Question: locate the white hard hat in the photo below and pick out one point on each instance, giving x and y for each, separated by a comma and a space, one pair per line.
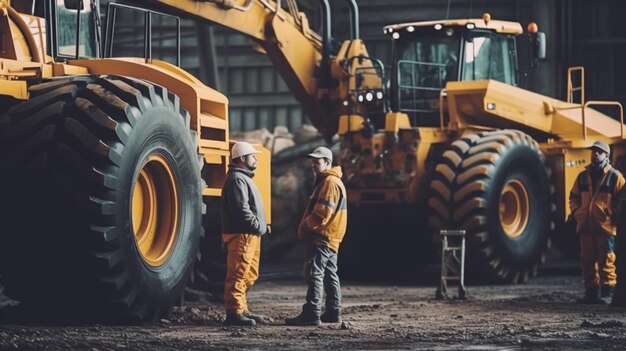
602, 146
241, 148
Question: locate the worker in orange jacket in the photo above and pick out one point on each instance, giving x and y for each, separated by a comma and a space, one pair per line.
594, 205
322, 228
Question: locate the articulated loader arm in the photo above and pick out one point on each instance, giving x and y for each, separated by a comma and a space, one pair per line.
299, 54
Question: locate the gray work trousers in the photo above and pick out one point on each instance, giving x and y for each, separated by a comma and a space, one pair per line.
320, 273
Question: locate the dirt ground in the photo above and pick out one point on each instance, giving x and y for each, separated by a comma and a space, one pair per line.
539, 315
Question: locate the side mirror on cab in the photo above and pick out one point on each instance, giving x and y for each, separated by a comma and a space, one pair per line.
74, 4
539, 45
531, 47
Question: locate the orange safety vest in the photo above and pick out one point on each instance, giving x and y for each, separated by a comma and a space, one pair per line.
595, 211
326, 217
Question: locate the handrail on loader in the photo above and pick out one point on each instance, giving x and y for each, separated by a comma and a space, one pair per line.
584, 104
571, 89
442, 93
604, 103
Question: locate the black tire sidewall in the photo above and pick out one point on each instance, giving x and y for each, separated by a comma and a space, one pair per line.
161, 130
523, 163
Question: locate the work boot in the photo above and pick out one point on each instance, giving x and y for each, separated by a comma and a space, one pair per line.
256, 317
592, 297
239, 320
305, 318
331, 315
606, 293
619, 297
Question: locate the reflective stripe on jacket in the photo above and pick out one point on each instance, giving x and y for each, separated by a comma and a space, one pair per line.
326, 217
595, 212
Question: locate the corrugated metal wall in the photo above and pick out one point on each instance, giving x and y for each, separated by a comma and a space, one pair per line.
258, 96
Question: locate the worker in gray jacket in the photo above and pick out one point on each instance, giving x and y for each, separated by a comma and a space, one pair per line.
243, 223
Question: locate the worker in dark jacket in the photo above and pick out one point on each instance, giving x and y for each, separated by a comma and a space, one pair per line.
593, 203
243, 223
322, 228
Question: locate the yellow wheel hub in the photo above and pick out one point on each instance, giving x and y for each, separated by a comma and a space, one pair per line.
514, 208
155, 212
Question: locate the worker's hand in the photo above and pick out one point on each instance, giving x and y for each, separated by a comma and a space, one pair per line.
570, 224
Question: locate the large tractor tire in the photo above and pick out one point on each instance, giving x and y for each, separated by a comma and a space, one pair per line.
210, 270
495, 185
101, 200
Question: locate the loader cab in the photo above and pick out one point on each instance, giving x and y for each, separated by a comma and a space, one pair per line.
70, 30
74, 29
427, 55
424, 59
71, 25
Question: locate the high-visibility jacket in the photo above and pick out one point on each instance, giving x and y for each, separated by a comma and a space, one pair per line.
595, 208
325, 219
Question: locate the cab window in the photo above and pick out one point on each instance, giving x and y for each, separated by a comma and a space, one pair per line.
66, 28
490, 57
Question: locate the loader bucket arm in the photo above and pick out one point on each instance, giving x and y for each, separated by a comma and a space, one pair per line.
299, 54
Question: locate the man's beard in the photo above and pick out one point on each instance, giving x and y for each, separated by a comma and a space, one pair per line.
600, 164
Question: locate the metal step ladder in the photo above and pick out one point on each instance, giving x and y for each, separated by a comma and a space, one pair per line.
452, 262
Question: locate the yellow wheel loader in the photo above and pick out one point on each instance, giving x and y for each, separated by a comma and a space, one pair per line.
106, 162
464, 141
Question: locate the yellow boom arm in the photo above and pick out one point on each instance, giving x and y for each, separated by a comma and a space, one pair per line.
296, 51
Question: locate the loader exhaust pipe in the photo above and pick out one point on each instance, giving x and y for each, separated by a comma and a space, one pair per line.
354, 19
327, 34
325, 79
327, 25
326, 31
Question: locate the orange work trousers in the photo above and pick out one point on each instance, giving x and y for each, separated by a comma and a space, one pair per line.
242, 270
597, 259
